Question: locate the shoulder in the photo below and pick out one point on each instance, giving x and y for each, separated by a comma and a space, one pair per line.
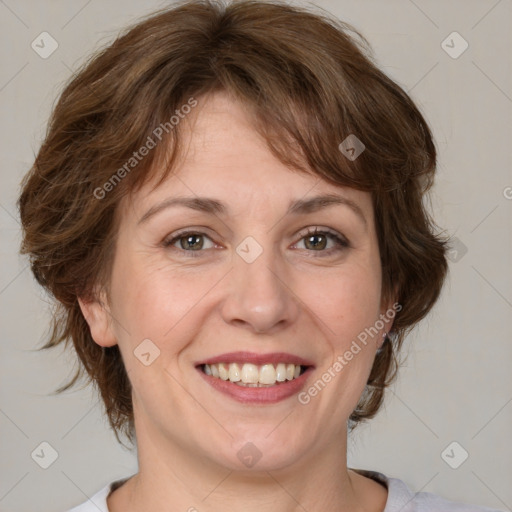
401, 498
98, 502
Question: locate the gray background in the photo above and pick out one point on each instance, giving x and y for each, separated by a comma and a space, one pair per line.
456, 384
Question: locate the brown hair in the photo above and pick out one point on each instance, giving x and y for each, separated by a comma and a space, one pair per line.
308, 79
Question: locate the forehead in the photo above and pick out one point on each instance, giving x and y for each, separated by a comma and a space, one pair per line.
223, 156
220, 139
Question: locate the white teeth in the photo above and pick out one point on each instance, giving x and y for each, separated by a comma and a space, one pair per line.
281, 372
251, 375
290, 370
223, 371
268, 374
234, 372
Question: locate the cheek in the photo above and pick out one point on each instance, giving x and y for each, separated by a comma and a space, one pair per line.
155, 300
348, 304
347, 301
140, 301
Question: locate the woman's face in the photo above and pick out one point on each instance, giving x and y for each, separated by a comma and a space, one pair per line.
233, 274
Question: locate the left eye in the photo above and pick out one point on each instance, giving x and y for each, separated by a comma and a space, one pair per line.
317, 240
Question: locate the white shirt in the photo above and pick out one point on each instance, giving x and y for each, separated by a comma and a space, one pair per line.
400, 498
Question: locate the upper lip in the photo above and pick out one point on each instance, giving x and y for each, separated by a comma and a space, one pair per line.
257, 359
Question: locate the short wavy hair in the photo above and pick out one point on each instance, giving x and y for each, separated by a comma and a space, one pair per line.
309, 81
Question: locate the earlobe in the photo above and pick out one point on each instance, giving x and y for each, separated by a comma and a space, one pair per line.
381, 340
98, 318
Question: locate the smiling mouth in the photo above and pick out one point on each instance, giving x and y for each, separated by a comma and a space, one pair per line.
252, 375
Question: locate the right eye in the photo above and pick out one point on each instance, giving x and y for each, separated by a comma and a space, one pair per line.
189, 241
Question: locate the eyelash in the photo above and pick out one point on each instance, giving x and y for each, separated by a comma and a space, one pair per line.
340, 241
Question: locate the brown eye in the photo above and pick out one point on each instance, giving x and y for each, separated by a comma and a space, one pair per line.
194, 242
189, 242
318, 241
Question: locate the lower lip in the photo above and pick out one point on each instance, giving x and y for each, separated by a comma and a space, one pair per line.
265, 395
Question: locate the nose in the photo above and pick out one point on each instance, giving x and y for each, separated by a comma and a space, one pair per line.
260, 294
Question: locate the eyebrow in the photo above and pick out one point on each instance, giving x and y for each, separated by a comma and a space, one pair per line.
216, 207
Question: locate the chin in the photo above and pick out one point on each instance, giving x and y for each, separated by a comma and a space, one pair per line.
261, 451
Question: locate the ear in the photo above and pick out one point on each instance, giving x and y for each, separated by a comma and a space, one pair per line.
98, 318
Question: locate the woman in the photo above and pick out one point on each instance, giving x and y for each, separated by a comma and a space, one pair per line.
228, 209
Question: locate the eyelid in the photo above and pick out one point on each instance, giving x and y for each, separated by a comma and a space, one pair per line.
169, 240
322, 230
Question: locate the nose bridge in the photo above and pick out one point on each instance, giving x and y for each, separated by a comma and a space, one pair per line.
259, 298
257, 273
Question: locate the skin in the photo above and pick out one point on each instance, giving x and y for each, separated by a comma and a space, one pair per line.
295, 297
